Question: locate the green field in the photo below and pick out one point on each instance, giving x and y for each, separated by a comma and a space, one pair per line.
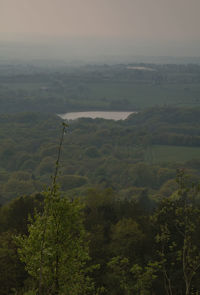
142, 95
112, 95
167, 153
99, 88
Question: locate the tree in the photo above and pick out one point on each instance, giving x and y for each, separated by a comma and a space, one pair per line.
12, 273
132, 279
126, 238
178, 236
55, 250
120, 276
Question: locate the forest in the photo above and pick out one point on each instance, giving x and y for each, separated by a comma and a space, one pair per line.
96, 206
27, 87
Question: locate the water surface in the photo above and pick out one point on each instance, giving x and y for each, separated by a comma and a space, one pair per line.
93, 115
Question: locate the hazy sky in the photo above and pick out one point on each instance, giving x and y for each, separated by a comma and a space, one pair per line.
102, 27
141, 19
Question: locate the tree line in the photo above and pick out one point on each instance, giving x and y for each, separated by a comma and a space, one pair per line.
102, 244
97, 152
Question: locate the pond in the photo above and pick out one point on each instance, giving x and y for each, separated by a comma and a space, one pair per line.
93, 115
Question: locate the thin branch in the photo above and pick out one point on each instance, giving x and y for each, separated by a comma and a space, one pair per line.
58, 157
45, 213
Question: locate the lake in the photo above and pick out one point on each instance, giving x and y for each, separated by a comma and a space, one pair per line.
93, 115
